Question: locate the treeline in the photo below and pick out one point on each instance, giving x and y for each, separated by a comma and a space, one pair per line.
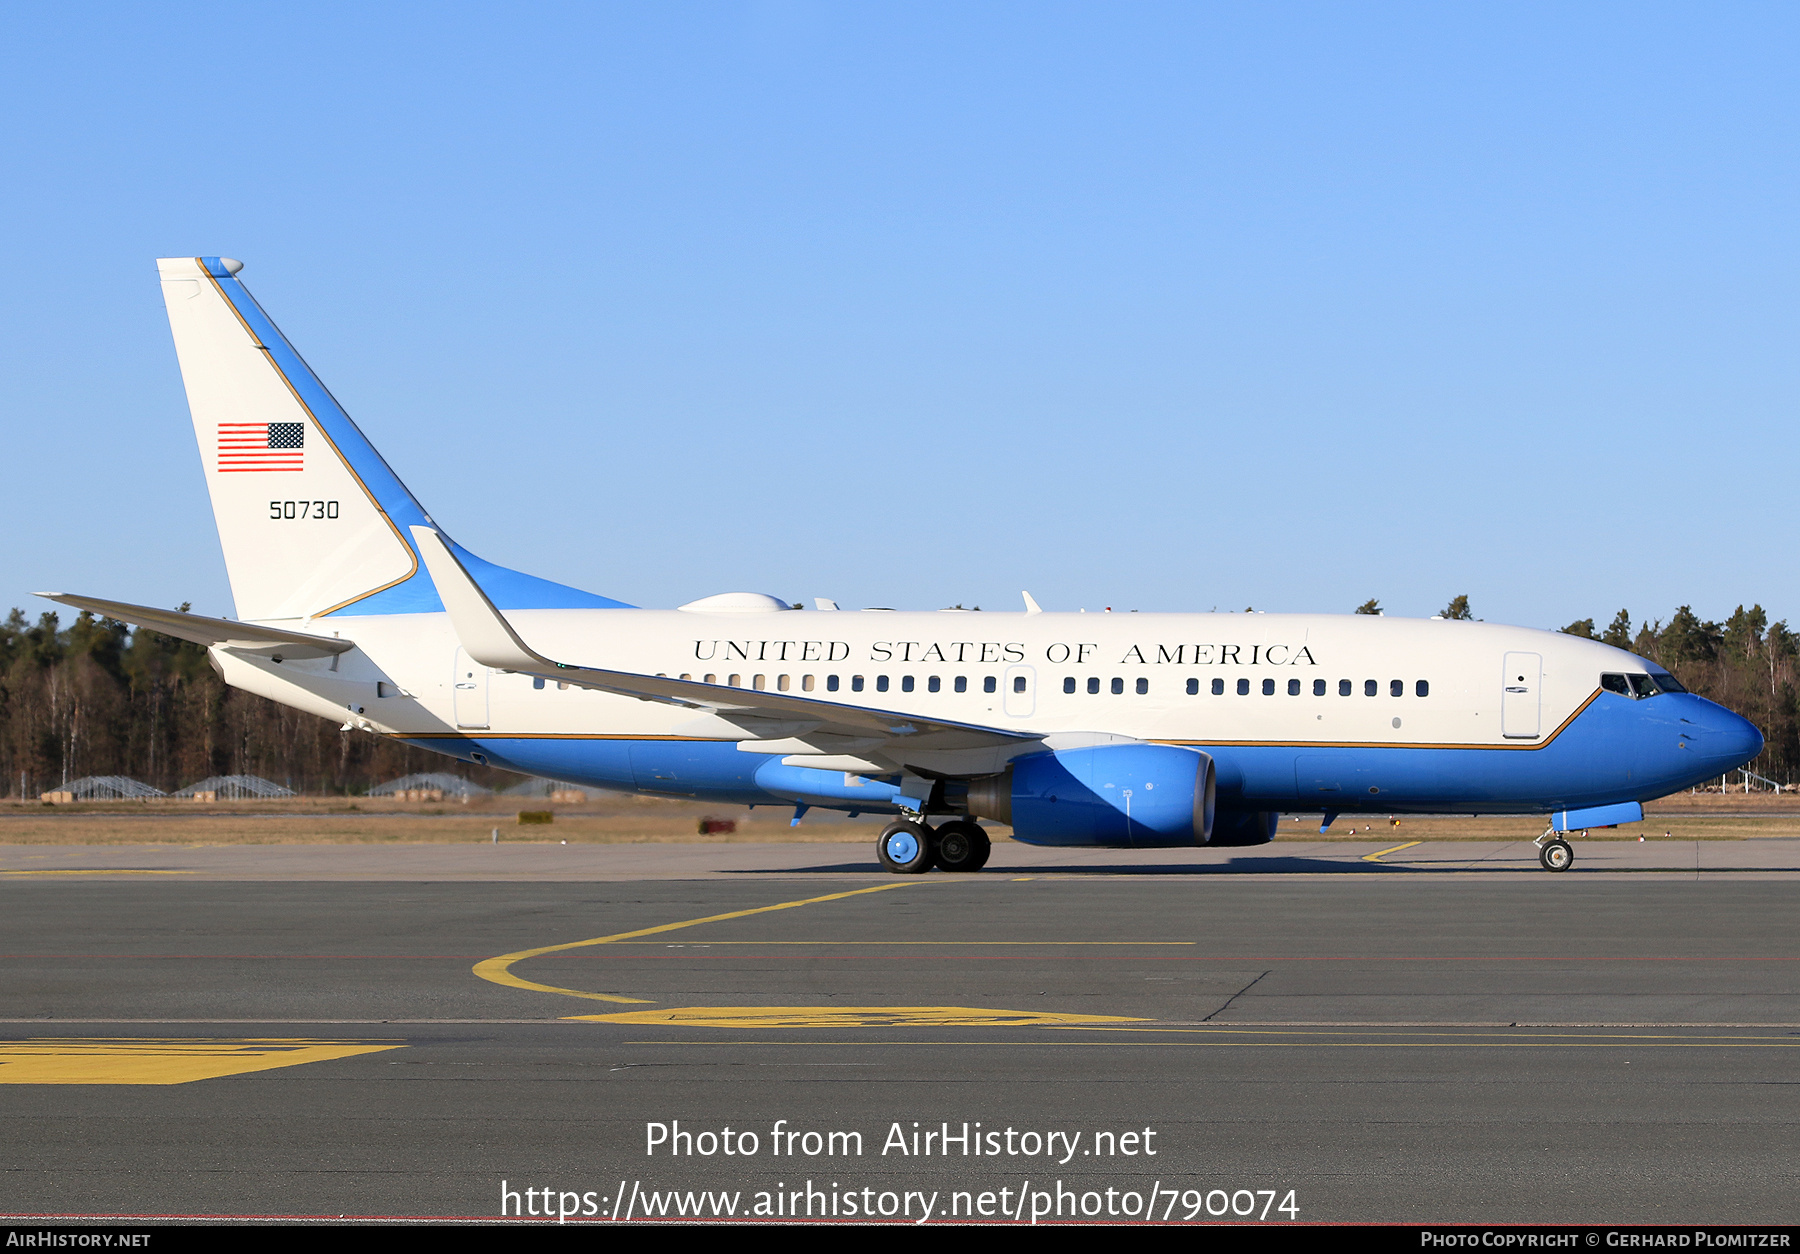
96, 698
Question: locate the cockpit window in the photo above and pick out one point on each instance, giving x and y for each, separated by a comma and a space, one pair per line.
1641, 687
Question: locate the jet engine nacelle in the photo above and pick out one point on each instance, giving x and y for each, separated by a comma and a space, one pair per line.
1244, 827
1124, 796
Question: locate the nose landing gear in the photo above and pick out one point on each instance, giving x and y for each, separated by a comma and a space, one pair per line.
1554, 853
906, 847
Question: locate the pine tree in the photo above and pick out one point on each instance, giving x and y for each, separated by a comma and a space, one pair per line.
1619, 634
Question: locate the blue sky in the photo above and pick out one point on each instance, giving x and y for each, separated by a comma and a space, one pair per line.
1163, 307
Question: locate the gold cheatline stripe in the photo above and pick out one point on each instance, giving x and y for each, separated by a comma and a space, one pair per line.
496, 969
1377, 744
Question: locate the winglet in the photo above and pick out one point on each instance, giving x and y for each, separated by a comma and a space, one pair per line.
481, 628
1031, 606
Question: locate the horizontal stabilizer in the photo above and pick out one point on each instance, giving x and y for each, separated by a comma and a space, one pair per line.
222, 632
491, 641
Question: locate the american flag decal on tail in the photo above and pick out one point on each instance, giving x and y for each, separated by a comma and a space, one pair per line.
247, 446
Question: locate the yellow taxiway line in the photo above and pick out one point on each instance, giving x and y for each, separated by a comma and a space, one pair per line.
497, 970
958, 943
854, 1017
1378, 854
162, 1060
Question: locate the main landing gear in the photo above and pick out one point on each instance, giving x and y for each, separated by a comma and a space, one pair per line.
1555, 853
906, 847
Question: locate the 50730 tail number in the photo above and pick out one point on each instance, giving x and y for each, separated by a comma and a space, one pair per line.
303, 509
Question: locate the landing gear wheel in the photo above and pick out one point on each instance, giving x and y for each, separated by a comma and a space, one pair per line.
962, 846
1557, 856
904, 848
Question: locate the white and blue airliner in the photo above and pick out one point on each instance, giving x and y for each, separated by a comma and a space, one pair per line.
1121, 730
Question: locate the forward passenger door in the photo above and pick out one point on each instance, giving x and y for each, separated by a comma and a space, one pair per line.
1519, 696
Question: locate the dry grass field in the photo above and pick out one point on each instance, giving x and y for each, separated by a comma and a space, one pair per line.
605, 818
617, 818
1701, 817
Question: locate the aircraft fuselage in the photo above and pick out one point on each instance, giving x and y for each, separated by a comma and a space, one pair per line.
1321, 712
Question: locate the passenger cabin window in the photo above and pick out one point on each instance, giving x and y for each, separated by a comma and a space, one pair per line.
1018, 683
1218, 687
1396, 687
1193, 687
1243, 687
962, 683
806, 683
856, 683
934, 684
1093, 686
1343, 687
1293, 687
1069, 684
1318, 687
831, 683
1143, 687
906, 683
1422, 689
736, 681
990, 684
1268, 687
881, 683
1118, 687
1370, 687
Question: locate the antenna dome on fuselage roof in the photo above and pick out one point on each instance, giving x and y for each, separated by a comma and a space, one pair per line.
737, 603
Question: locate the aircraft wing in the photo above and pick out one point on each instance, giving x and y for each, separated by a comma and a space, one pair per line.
491, 641
223, 632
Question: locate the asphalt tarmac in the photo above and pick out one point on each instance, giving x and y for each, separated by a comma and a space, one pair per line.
291, 1031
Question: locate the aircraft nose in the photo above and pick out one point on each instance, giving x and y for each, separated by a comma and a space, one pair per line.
1741, 734
1726, 739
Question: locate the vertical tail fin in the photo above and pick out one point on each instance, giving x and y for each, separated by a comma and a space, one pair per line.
311, 519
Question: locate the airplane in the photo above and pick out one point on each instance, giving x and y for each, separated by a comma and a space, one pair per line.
1074, 729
